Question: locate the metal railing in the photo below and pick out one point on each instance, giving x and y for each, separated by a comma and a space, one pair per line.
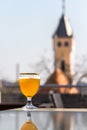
82, 88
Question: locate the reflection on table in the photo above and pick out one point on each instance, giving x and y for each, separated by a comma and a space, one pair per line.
44, 120
28, 124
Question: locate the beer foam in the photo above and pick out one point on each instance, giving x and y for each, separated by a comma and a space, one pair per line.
29, 77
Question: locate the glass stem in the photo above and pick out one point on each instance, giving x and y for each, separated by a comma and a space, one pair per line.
29, 102
28, 116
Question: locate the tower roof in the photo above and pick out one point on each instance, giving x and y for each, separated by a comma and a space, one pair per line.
64, 28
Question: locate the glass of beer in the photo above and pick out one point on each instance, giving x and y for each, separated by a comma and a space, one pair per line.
29, 85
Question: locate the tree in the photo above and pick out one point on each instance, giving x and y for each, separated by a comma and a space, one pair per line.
45, 66
80, 75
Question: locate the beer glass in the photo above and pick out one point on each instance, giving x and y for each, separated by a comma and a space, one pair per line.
29, 84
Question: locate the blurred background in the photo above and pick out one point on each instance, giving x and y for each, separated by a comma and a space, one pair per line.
48, 37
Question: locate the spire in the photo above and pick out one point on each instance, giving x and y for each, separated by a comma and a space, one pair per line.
64, 29
63, 7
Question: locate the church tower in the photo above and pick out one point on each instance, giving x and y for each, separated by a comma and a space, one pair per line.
63, 44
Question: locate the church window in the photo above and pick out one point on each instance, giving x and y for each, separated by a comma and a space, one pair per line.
59, 44
63, 65
66, 44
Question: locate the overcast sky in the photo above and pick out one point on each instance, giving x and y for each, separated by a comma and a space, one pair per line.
26, 29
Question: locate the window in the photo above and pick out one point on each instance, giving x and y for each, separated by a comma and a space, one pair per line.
63, 65
59, 44
66, 44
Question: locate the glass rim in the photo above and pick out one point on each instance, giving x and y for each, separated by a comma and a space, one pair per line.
30, 73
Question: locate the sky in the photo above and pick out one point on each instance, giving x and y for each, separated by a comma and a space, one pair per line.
26, 29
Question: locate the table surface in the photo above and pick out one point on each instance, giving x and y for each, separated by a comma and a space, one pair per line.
45, 119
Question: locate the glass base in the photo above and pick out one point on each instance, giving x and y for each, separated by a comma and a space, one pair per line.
29, 107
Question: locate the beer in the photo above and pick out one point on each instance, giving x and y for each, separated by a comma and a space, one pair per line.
29, 86
28, 125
